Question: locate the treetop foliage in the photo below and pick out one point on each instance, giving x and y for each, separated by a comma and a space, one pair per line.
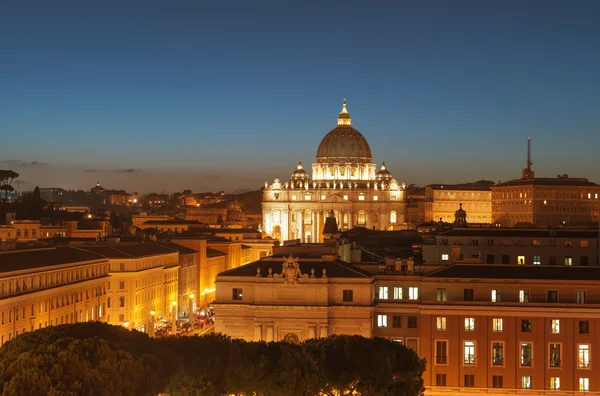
99, 359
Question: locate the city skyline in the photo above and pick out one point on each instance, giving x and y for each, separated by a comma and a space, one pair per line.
210, 97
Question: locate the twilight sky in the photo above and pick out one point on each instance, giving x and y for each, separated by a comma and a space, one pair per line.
208, 95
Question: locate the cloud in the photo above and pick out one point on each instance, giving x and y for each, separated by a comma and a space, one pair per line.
128, 170
22, 163
91, 170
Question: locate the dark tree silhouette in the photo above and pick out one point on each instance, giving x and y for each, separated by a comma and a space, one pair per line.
6, 179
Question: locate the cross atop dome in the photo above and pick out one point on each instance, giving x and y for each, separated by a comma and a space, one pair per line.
344, 118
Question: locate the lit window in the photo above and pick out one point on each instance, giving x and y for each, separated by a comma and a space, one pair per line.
497, 353
441, 323
393, 217
323, 197
293, 198
589, 196
393, 197
397, 293
307, 197
496, 295
413, 293
382, 293
236, 294
568, 260
526, 354
346, 197
440, 294
445, 256
583, 356
525, 382
555, 326
537, 260
584, 243
361, 197
469, 352
381, 321
584, 384
521, 260
469, 324
554, 383
523, 296
555, 358
375, 197
497, 325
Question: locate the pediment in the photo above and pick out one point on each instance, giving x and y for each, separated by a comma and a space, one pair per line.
335, 198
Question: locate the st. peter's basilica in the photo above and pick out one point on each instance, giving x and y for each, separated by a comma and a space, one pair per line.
345, 182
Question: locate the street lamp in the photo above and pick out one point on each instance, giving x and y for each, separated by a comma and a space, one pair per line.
126, 324
151, 329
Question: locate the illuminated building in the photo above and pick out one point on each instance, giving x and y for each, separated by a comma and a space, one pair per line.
482, 328
442, 200
51, 286
344, 180
562, 200
143, 279
187, 289
522, 246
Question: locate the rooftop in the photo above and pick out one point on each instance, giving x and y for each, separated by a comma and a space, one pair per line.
522, 233
129, 250
526, 272
18, 260
548, 181
334, 269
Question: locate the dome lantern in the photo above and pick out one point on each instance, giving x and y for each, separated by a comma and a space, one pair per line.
344, 117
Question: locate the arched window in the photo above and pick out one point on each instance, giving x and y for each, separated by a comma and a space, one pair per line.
361, 217
393, 218
26, 232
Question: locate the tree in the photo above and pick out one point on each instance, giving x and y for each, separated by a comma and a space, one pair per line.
187, 192
6, 179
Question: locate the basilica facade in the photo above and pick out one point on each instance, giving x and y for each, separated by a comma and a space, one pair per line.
345, 183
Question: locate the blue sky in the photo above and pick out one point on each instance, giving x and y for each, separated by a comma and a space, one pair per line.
226, 95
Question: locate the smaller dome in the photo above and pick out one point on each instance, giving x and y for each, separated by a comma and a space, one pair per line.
383, 173
300, 173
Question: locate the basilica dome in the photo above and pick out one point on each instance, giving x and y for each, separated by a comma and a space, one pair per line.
344, 143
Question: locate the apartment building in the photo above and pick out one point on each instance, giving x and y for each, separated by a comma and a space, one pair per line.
51, 286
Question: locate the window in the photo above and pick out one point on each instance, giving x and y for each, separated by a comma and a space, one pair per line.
412, 322
382, 321
555, 326
468, 295
361, 197
294, 198
441, 352
526, 382
497, 353
382, 292
526, 354
469, 324
497, 324
583, 261
441, 323
584, 327
469, 380
521, 260
580, 296
121, 284
347, 295
445, 257
568, 243
397, 293
552, 260
375, 197
583, 356
469, 352
393, 217
537, 260
523, 296
413, 293
568, 260
397, 321
440, 294
554, 383
554, 355
489, 259
584, 384
440, 379
236, 294
122, 267
497, 381
496, 295
121, 301
505, 259
552, 296
526, 325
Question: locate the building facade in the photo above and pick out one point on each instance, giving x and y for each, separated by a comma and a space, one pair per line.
493, 329
344, 180
442, 200
51, 286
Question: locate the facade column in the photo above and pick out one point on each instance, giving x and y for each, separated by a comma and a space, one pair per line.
318, 226
369, 219
313, 225
258, 332
350, 219
285, 225
300, 224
